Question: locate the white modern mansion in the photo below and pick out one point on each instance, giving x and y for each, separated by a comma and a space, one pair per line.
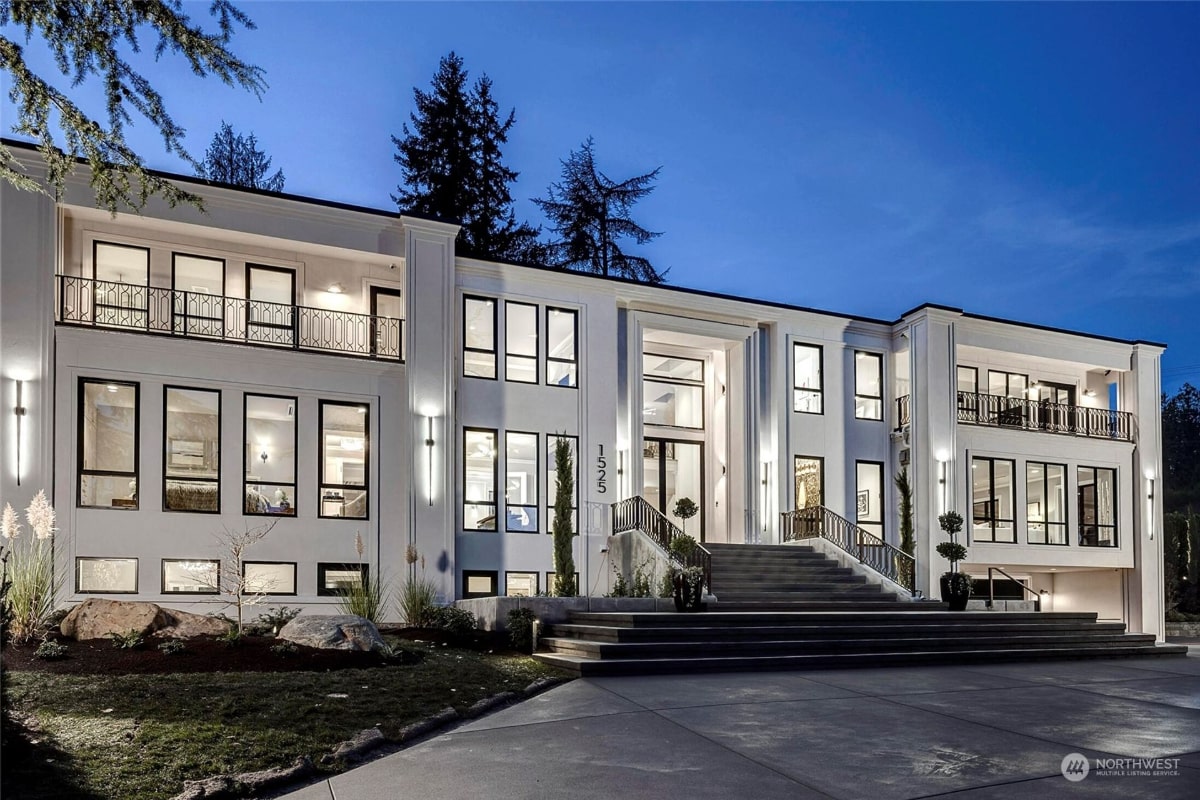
341, 371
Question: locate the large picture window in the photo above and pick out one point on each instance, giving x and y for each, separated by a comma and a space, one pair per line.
479, 337
479, 480
562, 355
109, 433
868, 385
992, 502
521, 482
269, 458
192, 458
1046, 503
808, 391
552, 480
672, 391
122, 293
199, 301
344, 468
1097, 495
520, 342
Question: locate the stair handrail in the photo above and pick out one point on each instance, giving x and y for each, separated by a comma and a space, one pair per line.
819, 522
1037, 598
636, 514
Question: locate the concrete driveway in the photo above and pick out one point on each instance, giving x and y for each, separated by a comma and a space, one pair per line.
976, 732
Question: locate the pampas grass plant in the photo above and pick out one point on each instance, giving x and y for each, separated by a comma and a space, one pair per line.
30, 568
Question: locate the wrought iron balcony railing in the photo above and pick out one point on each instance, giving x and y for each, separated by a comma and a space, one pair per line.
998, 411
197, 315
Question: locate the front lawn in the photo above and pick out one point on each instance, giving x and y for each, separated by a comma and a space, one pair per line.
142, 735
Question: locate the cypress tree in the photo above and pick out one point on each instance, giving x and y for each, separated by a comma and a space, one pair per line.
564, 530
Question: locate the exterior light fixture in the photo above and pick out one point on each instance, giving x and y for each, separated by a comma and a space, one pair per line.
1090, 393
1150, 500
336, 288
263, 456
429, 449
19, 411
943, 458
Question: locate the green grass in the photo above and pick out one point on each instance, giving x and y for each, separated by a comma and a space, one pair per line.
141, 736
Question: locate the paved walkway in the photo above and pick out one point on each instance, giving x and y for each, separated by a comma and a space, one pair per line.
973, 732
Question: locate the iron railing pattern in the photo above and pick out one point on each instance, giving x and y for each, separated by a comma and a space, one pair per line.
197, 315
819, 522
635, 514
976, 408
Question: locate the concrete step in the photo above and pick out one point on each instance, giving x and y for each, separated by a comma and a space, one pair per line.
793, 632
923, 613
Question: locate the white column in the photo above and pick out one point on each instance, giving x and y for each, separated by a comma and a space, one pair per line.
1145, 581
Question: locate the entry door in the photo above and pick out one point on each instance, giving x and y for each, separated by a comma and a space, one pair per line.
386, 312
674, 470
270, 304
1056, 406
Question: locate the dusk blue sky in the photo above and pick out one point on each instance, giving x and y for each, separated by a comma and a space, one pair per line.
1036, 162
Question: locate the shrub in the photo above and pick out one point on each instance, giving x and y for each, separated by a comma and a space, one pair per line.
457, 622
520, 629
666, 585
273, 619
29, 570
366, 598
51, 650
395, 654
682, 546
285, 649
172, 647
127, 641
418, 600
641, 584
620, 587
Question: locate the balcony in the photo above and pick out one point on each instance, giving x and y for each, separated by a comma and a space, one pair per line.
197, 315
1034, 415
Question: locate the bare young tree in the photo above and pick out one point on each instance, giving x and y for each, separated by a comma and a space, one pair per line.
230, 578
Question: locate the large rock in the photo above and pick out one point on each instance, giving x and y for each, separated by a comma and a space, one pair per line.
337, 632
96, 618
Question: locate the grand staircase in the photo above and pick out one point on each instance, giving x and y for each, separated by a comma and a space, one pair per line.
793, 607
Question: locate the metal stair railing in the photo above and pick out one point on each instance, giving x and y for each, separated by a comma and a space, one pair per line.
819, 522
1037, 598
635, 514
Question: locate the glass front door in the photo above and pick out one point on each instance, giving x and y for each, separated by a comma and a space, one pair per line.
674, 470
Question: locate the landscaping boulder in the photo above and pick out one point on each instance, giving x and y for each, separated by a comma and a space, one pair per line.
96, 618
184, 625
337, 632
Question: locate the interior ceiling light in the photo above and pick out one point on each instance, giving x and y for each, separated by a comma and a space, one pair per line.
351, 443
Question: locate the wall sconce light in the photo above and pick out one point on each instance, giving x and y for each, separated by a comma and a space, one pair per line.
1150, 499
337, 288
263, 456
19, 410
620, 462
1090, 393
429, 449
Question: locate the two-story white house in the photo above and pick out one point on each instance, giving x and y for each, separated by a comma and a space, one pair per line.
339, 371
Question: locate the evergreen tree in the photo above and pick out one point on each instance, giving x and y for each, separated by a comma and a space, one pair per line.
590, 213
235, 159
92, 40
1181, 449
454, 168
564, 531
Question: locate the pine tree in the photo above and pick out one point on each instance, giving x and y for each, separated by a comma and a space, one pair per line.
92, 40
564, 530
453, 164
235, 159
590, 212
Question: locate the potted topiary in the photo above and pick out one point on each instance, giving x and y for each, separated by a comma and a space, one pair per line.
685, 509
687, 581
956, 586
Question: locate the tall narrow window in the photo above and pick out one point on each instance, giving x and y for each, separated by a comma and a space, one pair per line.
192, 460
1046, 500
808, 391
520, 342
269, 457
479, 480
479, 337
992, 503
345, 460
198, 304
562, 356
122, 288
521, 482
270, 304
672, 391
1097, 494
810, 482
109, 435
868, 385
968, 394
868, 496
552, 480
387, 315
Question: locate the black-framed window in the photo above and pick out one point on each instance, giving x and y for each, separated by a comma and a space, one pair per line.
269, 455
550, 576
122, 288
198, 304
808, 383
387, 322
271, 304
479, 337
344, 466
672, 391
1008, 384
562, 347
810, 482
868, 496
1046, 503
1096, 489
868, 385
993, 500
1000, 589
480, 583
99, 575
968, 379
552, 480
336, 579
520, 342
192, 450
191, 576
520, 584
109, 440
521, 471
968, 393
479, 479
269, 577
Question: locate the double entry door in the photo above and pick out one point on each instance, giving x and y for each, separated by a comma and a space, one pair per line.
672, 470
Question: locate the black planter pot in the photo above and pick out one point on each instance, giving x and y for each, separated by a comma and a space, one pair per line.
955, 591
687, 594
